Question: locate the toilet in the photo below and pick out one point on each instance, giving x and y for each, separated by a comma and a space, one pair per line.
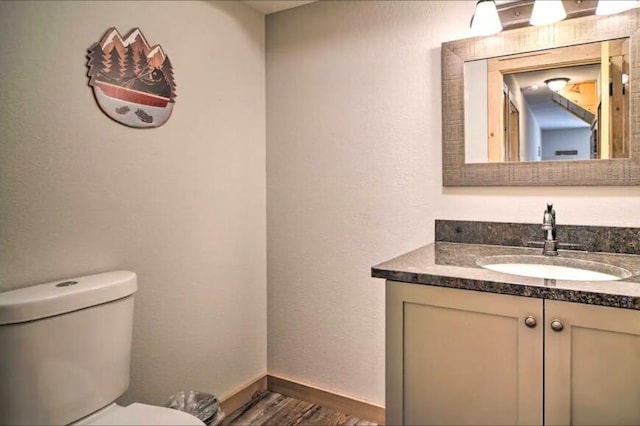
65, 351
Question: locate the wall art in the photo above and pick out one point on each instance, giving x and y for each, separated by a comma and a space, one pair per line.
132, 81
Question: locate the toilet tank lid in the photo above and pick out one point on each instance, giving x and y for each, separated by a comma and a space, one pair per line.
63, 296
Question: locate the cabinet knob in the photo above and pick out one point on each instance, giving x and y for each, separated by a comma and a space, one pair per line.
530, 321
556, 325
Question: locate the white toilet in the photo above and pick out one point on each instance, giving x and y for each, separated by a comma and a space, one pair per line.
65, 352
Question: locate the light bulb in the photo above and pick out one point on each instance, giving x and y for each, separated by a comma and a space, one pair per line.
608, 7
485, 20
547, 12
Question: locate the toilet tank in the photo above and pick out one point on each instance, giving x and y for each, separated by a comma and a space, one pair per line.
65, 347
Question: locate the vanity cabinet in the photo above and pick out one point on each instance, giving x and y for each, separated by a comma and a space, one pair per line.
468, 357
592, 365
462, 357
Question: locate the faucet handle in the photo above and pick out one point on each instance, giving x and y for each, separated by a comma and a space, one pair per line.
549, 221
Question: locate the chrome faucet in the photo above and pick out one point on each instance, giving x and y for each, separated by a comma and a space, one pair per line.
549, 226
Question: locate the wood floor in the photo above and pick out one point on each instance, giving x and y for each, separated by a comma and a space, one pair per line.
270, 408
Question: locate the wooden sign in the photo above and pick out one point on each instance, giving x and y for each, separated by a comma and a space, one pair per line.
132, 81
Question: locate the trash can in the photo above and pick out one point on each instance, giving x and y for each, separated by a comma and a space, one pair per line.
204, 406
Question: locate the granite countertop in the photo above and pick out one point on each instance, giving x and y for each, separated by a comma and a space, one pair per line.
453, 264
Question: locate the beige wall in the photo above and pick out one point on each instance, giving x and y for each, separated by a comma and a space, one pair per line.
354, 178
182, 205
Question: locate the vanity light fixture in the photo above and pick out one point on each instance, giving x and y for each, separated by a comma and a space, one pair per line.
609, 7
522, 13
485, 21
547, 12
557, 84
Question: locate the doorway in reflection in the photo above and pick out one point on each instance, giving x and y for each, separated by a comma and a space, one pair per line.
560, 124
567, 103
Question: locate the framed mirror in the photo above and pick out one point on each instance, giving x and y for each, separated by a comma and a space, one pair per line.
507, 121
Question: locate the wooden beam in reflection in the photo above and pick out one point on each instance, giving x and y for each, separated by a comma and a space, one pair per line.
584, 54
605, 114
617, 109
582, 93
495, 121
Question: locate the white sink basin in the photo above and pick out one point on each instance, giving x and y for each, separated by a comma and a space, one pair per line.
558, 268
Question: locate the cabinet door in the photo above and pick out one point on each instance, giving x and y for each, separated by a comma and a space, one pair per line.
462, 357
592, 365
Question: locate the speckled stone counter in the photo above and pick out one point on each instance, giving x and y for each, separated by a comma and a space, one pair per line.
453, 264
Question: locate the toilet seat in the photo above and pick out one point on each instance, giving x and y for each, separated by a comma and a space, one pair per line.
142, 414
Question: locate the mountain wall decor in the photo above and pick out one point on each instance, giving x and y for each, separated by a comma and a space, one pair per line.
132, 81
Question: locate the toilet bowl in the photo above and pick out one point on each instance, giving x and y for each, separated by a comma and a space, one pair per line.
65, 350
139, 414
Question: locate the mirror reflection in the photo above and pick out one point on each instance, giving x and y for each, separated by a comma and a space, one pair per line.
549, 105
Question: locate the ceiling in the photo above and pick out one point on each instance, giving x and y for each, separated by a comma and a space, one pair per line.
272, 6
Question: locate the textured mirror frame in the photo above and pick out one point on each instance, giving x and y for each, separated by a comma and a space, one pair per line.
614, 172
